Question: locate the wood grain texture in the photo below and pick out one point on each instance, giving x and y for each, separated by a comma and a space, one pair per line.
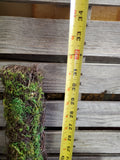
96, 78
105, 2
99, 142
92, 2
3, 143
90, 114
89, 158
80, 158
50, 37
2, 119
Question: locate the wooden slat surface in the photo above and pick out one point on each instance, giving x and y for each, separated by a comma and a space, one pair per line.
90, 114
2, 119
50, 37
89, 158
80, 158
105, 2
96, 78
88, 142
92, 2
100, 142
3, 142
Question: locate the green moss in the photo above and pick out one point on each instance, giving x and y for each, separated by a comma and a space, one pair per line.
23, 110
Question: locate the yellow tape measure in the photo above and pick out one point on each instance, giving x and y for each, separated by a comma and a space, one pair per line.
78, 18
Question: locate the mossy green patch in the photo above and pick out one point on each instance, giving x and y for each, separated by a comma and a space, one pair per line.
24, 112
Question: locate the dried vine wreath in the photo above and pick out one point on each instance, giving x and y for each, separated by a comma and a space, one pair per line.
24, 112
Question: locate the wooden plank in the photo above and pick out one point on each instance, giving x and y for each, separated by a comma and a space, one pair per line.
80, 158
96, 78
105, 13
2, 119
105, 2
3, 143
32, 36
89, 158
90, 114
87, 142
91, 2
99, 142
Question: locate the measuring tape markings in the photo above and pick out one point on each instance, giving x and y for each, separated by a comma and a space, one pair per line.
74, 63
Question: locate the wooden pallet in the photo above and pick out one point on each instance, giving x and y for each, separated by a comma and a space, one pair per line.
27, 41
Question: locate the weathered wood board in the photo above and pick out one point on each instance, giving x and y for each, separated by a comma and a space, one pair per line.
96, 78
80, 158
2, 119
90, 114
32, 36
89, 158
91, 2
99, 142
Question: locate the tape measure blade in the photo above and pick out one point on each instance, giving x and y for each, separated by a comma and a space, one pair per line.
78, 18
